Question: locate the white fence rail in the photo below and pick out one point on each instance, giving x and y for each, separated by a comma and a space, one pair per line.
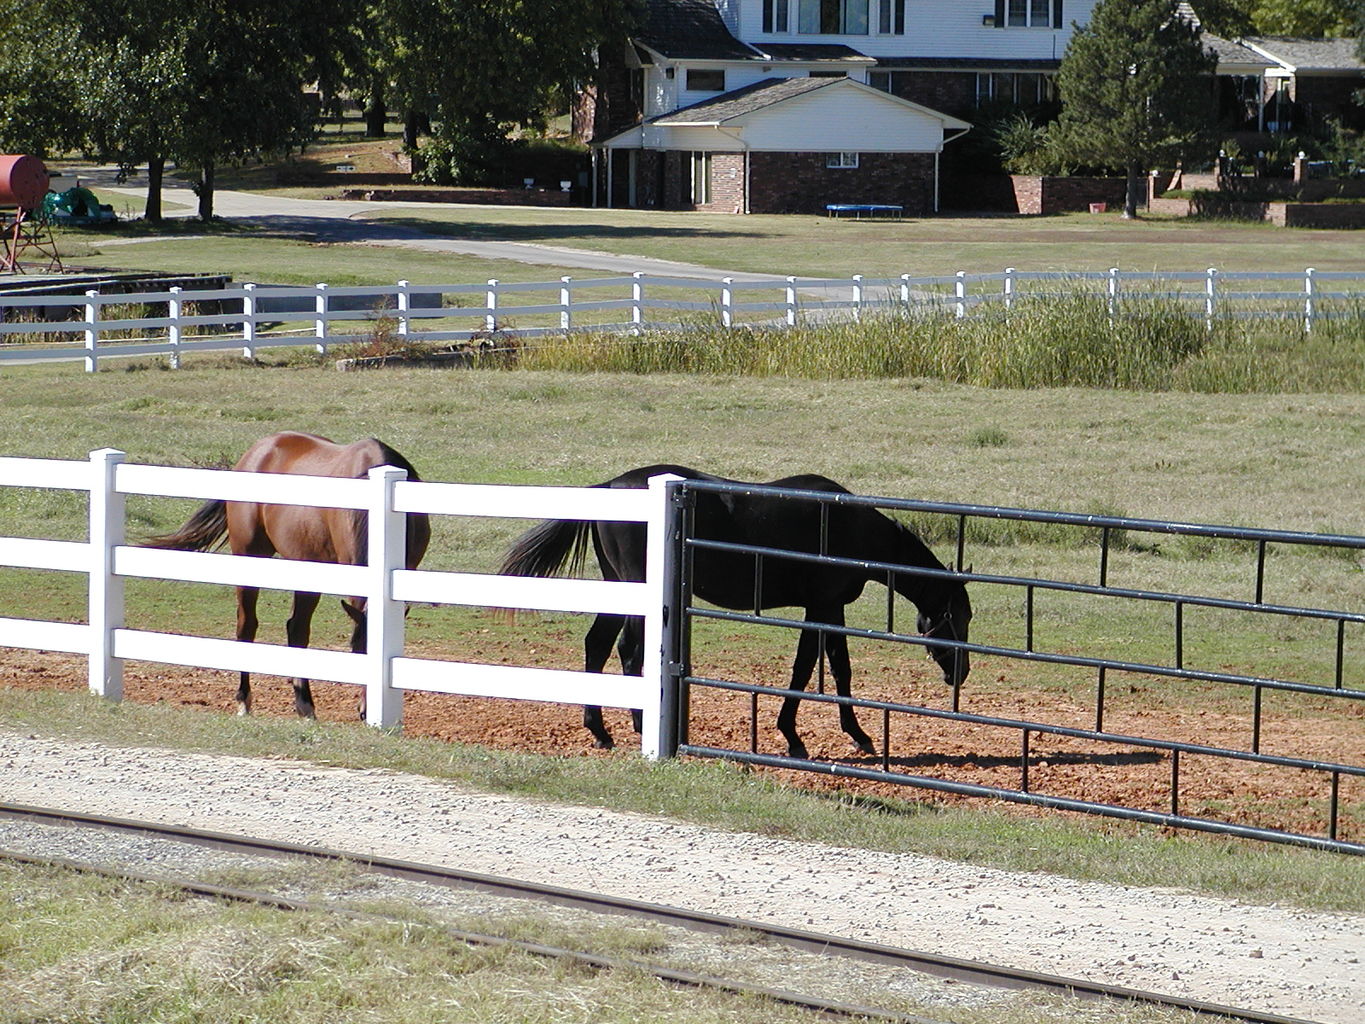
248, 317
385, 670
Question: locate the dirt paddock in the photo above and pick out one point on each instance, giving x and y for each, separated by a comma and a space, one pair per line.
962, 752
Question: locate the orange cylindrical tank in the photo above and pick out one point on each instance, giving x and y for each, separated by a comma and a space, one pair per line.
23, 181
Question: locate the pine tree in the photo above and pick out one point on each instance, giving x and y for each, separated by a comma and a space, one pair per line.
1137, 90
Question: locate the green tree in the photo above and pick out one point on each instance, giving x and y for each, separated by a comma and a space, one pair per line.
1303, 17
1136, 86
40, 99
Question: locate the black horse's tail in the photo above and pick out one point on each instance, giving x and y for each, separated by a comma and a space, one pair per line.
202, 531
554, 546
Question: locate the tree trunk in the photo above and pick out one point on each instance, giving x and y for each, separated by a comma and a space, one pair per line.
156, 167
375, 114
206, 193
1130, 198
412, 124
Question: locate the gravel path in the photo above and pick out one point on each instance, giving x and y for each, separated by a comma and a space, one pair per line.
1274, 959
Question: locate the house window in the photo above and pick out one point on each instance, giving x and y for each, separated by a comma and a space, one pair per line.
701, 178
832, 17
775, 15
1028, 13
891, 17
705, 80
841, 161
1023, 88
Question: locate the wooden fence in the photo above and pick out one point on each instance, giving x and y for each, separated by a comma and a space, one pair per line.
247, 318
384, 669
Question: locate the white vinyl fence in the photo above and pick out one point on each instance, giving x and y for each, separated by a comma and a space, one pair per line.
248, 317
384, 669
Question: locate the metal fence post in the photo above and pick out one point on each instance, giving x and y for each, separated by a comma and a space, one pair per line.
92, 330
1009, 288
383, 615
857, 297
173, 328
1113, 290
402, 298
566, 304
1210, 297
490, 318
658, 717
249, 321
960, 293
105, 613
727, 301
1309, 289
789, 304
322, 327
637, 302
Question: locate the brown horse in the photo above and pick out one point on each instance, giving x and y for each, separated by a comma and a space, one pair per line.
297, 532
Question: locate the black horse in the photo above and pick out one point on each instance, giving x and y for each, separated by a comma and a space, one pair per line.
726, 579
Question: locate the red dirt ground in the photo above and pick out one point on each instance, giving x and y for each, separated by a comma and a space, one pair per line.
1227, 790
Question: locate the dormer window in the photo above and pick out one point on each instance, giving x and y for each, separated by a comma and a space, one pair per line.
832, 17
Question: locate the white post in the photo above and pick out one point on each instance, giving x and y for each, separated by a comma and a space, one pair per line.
173, 328
403, 300
857, 297
637, 300
727, 301
321, 322
1113, 292
383, 615
566, 304
1309, 288
249, 321
92, 330
1009, 288
657, 542
960, 293
490, 318
1210, 297
106, 590
791, 302
905, 290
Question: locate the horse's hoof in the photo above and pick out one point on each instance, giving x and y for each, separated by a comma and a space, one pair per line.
243, 710
798, 750
604, 743
865, 746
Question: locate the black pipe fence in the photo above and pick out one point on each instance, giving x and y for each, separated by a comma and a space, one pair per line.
1335, 681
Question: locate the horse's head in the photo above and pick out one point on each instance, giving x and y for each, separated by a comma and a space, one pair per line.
949, 623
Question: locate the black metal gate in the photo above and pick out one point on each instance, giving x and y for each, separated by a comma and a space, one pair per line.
1322, 641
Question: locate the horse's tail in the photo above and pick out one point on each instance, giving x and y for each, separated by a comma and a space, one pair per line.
555, 546
202, 531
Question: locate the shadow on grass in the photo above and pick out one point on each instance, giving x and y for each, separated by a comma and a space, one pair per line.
553, 232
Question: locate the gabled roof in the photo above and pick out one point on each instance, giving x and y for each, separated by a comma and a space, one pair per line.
1234, 57
689, 30
1299, 55
769, 92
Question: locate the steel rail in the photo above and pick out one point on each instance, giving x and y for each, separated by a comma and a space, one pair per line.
956, 968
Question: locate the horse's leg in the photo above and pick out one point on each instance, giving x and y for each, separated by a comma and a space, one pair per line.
355, 608
596, 651
807, 650
836, 649
297, 630
631, 648
246, 631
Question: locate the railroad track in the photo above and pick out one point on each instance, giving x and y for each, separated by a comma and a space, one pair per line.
953, 968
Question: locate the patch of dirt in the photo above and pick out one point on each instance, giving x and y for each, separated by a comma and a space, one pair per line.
976, 754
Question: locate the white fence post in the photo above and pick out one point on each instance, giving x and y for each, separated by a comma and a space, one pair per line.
92, 330
566, 304
106, 590
1210, 297
637, 302
654, 669
727, 301
1309, 288
249, 321
1113, 298
383, 615
322, 328
789, 303
1009, 288
403, 300
857, 297
173, 328
905, 290
960, 293
490, 318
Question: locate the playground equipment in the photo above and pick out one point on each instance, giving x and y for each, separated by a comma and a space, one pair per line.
23, 184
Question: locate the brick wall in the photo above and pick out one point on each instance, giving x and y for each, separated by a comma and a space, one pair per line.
801, 183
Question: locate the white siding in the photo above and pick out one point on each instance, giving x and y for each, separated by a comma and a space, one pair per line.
933, 28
